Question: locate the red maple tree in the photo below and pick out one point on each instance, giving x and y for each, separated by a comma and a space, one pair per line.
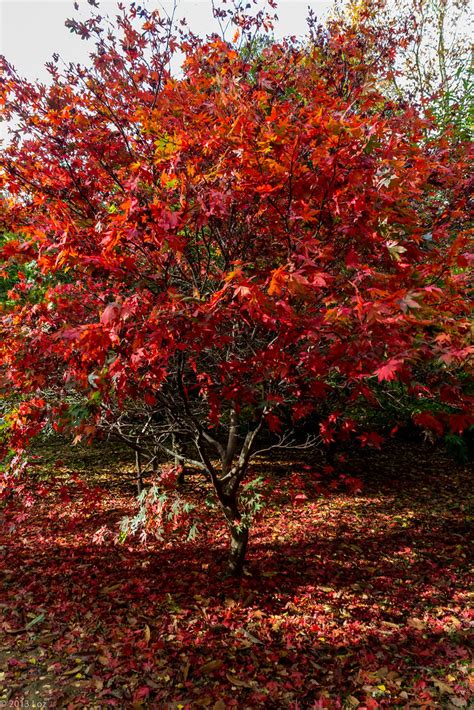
219, 251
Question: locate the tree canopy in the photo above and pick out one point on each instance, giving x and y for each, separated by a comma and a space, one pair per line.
260, 239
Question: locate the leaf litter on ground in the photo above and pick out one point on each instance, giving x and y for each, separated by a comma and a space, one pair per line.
350, 600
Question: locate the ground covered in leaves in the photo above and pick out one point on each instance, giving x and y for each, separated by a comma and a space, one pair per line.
350, 600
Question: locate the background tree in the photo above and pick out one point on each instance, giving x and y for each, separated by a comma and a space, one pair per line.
433, 55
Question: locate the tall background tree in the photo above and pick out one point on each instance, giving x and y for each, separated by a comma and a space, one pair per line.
433, 58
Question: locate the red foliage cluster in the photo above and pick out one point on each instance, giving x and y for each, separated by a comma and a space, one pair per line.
229, 246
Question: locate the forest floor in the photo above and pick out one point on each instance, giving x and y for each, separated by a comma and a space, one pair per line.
350, 599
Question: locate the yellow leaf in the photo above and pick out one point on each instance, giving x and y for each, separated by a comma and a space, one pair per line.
443, 687
232, 274
147, 633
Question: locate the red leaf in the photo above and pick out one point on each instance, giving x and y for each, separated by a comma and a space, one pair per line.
388, 370
429, 421
110, 314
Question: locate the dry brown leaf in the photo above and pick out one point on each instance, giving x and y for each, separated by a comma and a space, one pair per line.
113, 588
8, 630
417, 624
250, 636
237, 682
248, 601
186, 668
211, 666
75, 670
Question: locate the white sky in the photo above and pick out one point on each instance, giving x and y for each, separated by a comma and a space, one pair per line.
32, 30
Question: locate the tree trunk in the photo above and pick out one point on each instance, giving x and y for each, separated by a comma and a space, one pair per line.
177, 447
239, 536
138, 462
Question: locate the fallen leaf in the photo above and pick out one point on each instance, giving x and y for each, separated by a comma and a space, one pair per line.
186, 668
250, 636
37, 620
75, 670
417, 624
112, 588
237, 682
443, 687
248, 601
211, 666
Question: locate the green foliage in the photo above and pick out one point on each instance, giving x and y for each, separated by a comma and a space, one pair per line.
252, 500
161, 512
457, 445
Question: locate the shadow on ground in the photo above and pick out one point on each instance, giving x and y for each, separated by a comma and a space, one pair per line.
349, 600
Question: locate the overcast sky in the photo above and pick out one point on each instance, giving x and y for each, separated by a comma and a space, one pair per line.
31, 30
